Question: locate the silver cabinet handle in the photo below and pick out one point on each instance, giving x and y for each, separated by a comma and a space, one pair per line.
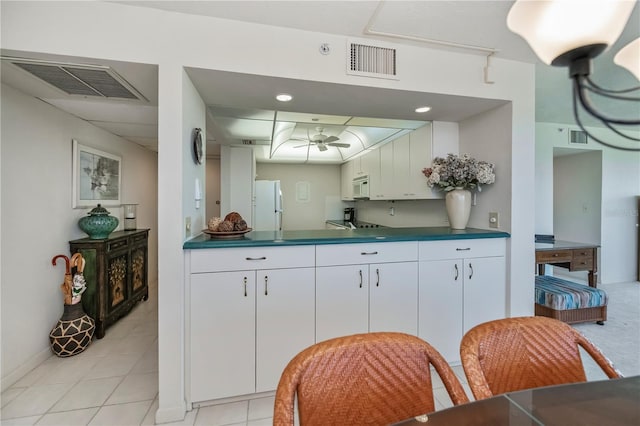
256, 258
266, 285
456, 277
463, 249
378, 277
245, 286
360, 278
364, 253
470, 269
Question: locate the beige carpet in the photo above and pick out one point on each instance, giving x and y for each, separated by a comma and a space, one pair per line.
619, 338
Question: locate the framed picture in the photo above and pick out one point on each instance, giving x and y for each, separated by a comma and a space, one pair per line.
96, 177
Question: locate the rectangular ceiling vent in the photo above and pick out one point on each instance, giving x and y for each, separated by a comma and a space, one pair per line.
577, 137
82, 80
372, 61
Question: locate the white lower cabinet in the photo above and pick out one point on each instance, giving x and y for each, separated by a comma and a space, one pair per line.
222, 334
253, 309
462, 284
284, 321
366, 287
244, 326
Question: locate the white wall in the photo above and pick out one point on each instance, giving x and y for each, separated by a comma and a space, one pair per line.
193, 116
174, 40
577, 197
407, 213
577, 201
619, 214
38, 221
324, 201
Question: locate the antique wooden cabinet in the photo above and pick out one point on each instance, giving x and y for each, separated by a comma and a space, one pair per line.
116, 273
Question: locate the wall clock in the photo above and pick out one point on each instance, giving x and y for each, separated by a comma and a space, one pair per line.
197, 145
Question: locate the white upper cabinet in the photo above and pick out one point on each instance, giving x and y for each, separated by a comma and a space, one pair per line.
346, 179
395, 169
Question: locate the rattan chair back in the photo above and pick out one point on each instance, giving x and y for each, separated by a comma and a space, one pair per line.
526, 352
373, 378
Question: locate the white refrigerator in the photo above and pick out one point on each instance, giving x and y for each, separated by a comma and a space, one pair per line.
267, 209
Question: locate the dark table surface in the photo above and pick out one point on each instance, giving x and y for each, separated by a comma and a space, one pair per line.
614, 402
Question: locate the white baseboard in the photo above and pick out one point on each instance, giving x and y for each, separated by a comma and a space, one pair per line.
24, 368
171, 414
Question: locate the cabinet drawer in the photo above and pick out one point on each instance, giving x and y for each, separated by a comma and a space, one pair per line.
247, 258
353, 254
554, 256
581, 264
456, 249
114, 245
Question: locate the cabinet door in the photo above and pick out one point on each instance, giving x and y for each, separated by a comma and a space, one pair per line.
440, 306
118, 287
346, 180
420, 148
386, 172
393, 297
484, 290
401, 172
222, 334
285, 321
342, 301
373, 167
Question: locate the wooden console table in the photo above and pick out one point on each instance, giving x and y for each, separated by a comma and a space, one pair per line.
569, 255
116, 275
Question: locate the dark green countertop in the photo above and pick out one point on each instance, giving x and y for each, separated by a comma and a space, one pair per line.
341, 236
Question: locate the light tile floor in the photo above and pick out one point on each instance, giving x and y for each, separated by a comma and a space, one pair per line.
115, 381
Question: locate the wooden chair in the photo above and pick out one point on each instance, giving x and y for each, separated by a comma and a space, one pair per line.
527, 352
372, 378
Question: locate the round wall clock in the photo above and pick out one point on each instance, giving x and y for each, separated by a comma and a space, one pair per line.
197, 145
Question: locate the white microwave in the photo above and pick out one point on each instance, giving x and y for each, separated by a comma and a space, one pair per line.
361, 187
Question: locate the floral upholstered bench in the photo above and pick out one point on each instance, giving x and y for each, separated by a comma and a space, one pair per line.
568, 301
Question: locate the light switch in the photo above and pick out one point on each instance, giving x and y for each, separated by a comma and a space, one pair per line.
493, 220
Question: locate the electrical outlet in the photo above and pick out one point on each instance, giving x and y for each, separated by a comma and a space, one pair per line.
187, 226
392, 211
493, 220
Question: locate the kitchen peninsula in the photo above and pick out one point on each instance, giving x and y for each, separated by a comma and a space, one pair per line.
254, 302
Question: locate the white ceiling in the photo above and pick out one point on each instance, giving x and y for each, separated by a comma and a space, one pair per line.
478, 23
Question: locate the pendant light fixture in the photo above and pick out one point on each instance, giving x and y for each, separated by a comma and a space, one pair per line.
571, 33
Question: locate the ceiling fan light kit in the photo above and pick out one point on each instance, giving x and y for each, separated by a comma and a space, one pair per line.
571, 33
323, 141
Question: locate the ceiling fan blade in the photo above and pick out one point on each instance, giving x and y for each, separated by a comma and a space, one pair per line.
339, 145
301, 146
330, 139
322, 147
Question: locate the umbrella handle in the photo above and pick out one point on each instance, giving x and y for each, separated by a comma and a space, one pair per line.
78, 261
68, 264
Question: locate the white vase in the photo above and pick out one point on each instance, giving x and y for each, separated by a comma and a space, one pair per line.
458, 203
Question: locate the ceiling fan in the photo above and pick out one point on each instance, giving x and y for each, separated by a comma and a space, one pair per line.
322, 141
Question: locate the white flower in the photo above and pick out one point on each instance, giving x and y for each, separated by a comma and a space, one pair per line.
459, 172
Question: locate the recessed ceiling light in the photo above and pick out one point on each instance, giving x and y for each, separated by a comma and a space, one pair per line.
423, 109
284, 97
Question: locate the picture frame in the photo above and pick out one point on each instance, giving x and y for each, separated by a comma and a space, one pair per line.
97, 177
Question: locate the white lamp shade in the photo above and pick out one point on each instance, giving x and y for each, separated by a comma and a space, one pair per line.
554, 27
629, 57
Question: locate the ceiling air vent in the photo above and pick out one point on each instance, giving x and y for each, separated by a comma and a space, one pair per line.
83, 80
577, 137
372, 61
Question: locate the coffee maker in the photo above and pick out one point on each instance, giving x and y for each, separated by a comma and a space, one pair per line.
350, 214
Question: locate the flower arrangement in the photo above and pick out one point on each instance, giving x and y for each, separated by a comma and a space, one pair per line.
462, 172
